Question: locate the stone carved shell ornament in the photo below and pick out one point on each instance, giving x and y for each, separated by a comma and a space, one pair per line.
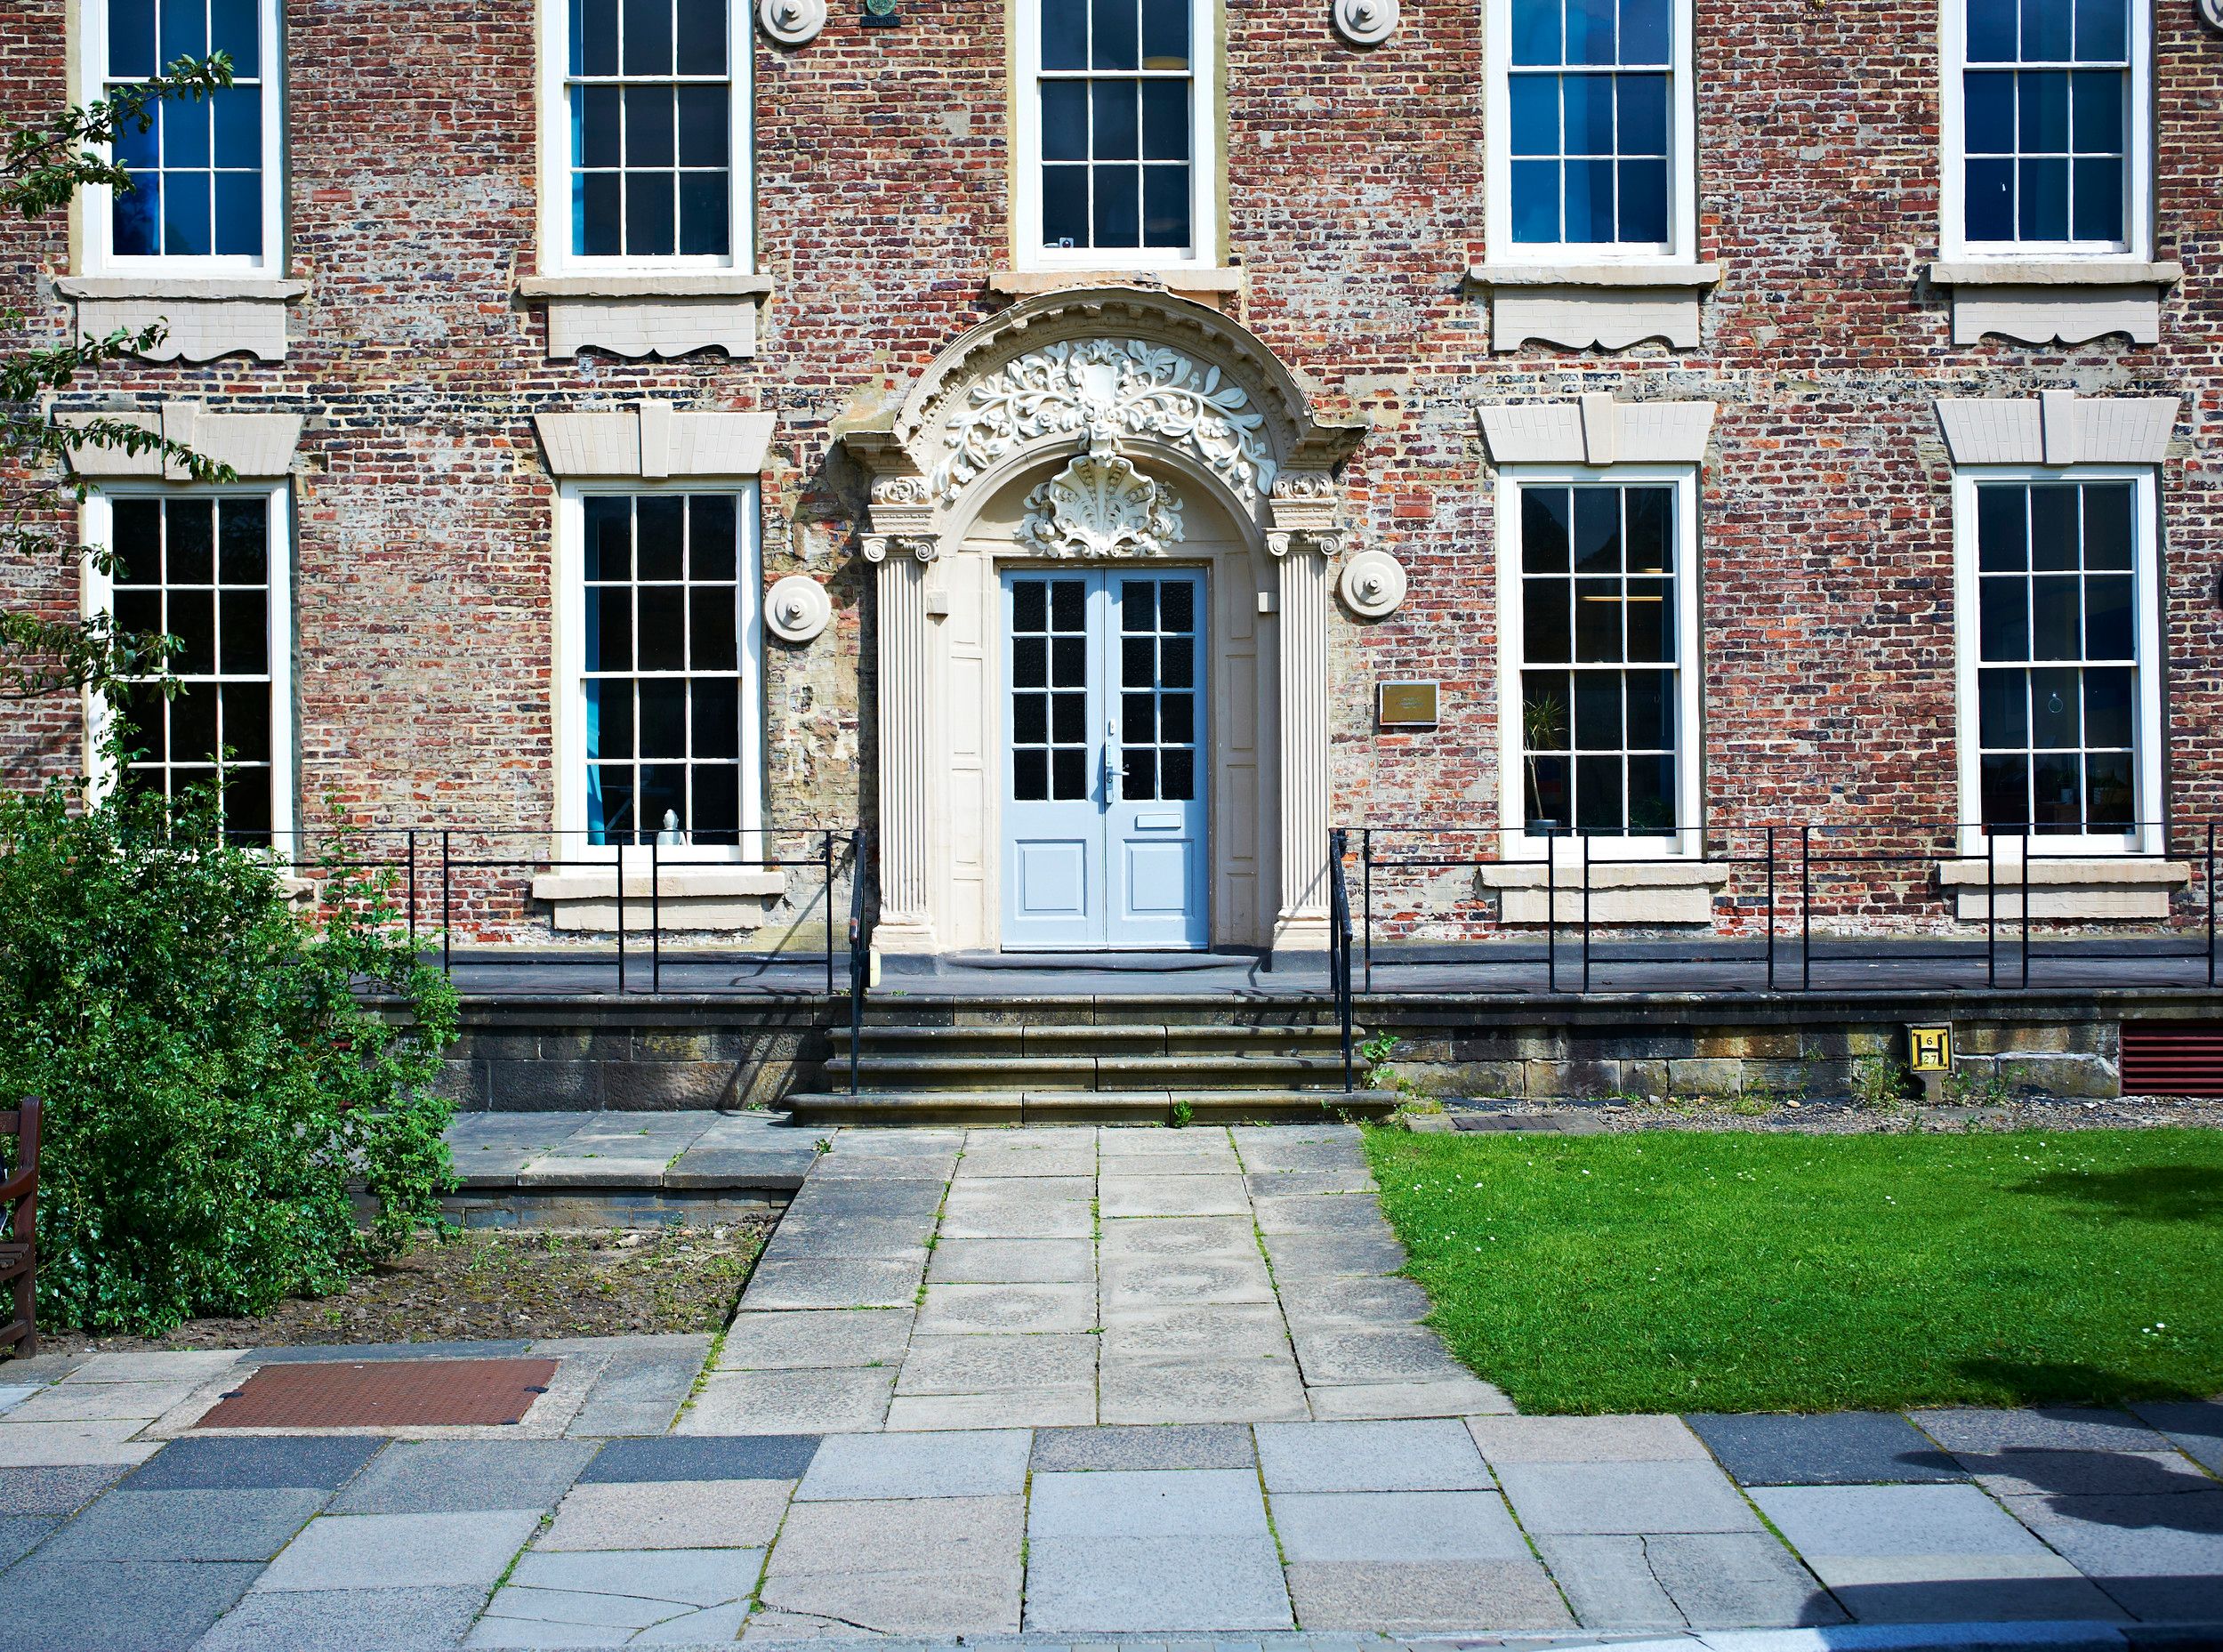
1111, 388
1099, 506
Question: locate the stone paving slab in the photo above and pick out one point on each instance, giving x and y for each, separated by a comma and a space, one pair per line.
149, 1606
453, 1476
940, 1566
667, 1514
2194, 1427
401, 1550
1846, 1447
1625, 1498
1426, 1455
1425, 1597
816, 1339
1396, 1526
767, 1457
185, 1526
335, 1620
989, 1463
790, 1402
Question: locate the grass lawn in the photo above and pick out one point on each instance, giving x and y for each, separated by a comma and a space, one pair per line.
1673, 1270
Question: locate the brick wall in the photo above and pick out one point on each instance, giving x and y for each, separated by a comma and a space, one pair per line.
1355, 202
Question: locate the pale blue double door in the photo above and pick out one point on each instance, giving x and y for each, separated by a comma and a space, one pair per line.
1106, 760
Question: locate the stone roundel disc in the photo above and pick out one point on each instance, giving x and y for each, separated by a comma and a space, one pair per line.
1373, 583
797, 608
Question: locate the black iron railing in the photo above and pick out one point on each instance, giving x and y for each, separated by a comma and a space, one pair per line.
859, 954
1339, 943
490, 924
1798, 907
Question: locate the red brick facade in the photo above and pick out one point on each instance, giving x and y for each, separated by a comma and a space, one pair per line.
1354, 205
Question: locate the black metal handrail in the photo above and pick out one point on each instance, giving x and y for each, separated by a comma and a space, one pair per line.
1828, 852
1339, 943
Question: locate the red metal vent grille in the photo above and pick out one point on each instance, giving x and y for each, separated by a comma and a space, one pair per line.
384, 1393
2171, 1058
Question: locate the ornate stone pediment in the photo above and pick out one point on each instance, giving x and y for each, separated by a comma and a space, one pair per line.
1126, 388
1100, 505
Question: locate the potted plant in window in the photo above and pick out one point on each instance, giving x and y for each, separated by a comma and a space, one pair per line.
1542, 724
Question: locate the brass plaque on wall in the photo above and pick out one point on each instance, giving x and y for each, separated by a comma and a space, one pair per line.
1406, 704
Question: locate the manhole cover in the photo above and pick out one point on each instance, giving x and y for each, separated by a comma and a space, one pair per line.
384, 1393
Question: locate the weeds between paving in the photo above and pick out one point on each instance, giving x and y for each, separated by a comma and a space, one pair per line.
1703, 1270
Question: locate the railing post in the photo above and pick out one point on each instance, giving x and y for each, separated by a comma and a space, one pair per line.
1586, 911
1806, 906
1551, 914
2210, 903
1771, 908
655, 916
1991, 907
859, 964
1339, 944
413, 896
1366, 854
826, 851
621, 914
2029, 838
447, 927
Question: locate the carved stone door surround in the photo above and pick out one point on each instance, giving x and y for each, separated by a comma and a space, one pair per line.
1152, 400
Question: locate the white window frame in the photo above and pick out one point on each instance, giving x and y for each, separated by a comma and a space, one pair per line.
1204, 167
570, 675
96, 524
2147, 597
2138, 159
1681, 247
97, 200
1689, 842
556, 256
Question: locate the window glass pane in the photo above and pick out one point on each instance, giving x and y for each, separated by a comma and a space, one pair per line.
649, 126
239, 213
712, 542
1064, 120
1545, 621
190, 543
704, 207
2103, 31
2108, 525
2107, 628
2054, 517
2004, 604
244, 620
1165, 34
1597, 725
1536, 31
1544, 534
1069, 774
2001, 528
1642, 102
242, 555
238, 112
1651, 626
1644, 32
715, 804
715, 717
1988, 104
1597, 530
2005, 788
662, 639
609, 719
1165, 206
236, 31
1991, 31
1116, 218
1990, 190
245, 711
659, 520
1064, 34
597, 227
597, 115
193, 724
2108, 706
2097, 97
131, 39
2042, 102
2003, 708
1643, 200
2109, 800
1537, 201
185, 135
1598, 793
1113, 40
2041, 212
1166, 120
1065, 206
1651, 710
1589, 200
1598, 622
1115, 134
1590, 31
1138, 777
2045, 30
711, 621
647, 36
2056, 618
704, 126
663, 717
184, 29
701, 44
1588, 102
2055, 718
610, 642
1534, 114
2096, 186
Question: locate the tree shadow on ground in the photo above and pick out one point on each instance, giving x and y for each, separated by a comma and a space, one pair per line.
2151, 1193
2068, 1382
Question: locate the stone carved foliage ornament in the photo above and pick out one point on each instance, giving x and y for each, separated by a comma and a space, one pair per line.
797, 608
1370, 22
1373, 584
899, 490
1123, 388
1099, 506
792, 22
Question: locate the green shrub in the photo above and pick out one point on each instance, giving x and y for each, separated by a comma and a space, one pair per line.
213, 1078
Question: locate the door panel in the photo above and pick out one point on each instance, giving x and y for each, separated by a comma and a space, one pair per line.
1105, 812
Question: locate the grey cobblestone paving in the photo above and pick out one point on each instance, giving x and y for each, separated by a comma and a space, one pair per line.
1098, 1432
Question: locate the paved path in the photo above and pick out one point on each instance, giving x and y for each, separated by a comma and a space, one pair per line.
1058, 1277
906, 1442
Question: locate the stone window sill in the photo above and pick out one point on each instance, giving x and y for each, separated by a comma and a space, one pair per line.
206, 316
1621, 891
1605, 306
2096, 887
2055, 300
2053, 272
1221, 281
637, 313
698, 896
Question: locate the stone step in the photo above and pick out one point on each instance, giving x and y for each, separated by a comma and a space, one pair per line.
1088, 1107
968, 1071
926, 1009
1065, 1040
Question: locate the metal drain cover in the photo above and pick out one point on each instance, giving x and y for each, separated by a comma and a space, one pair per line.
384, 1393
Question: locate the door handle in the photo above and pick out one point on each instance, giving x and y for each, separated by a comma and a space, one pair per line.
1114, 764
